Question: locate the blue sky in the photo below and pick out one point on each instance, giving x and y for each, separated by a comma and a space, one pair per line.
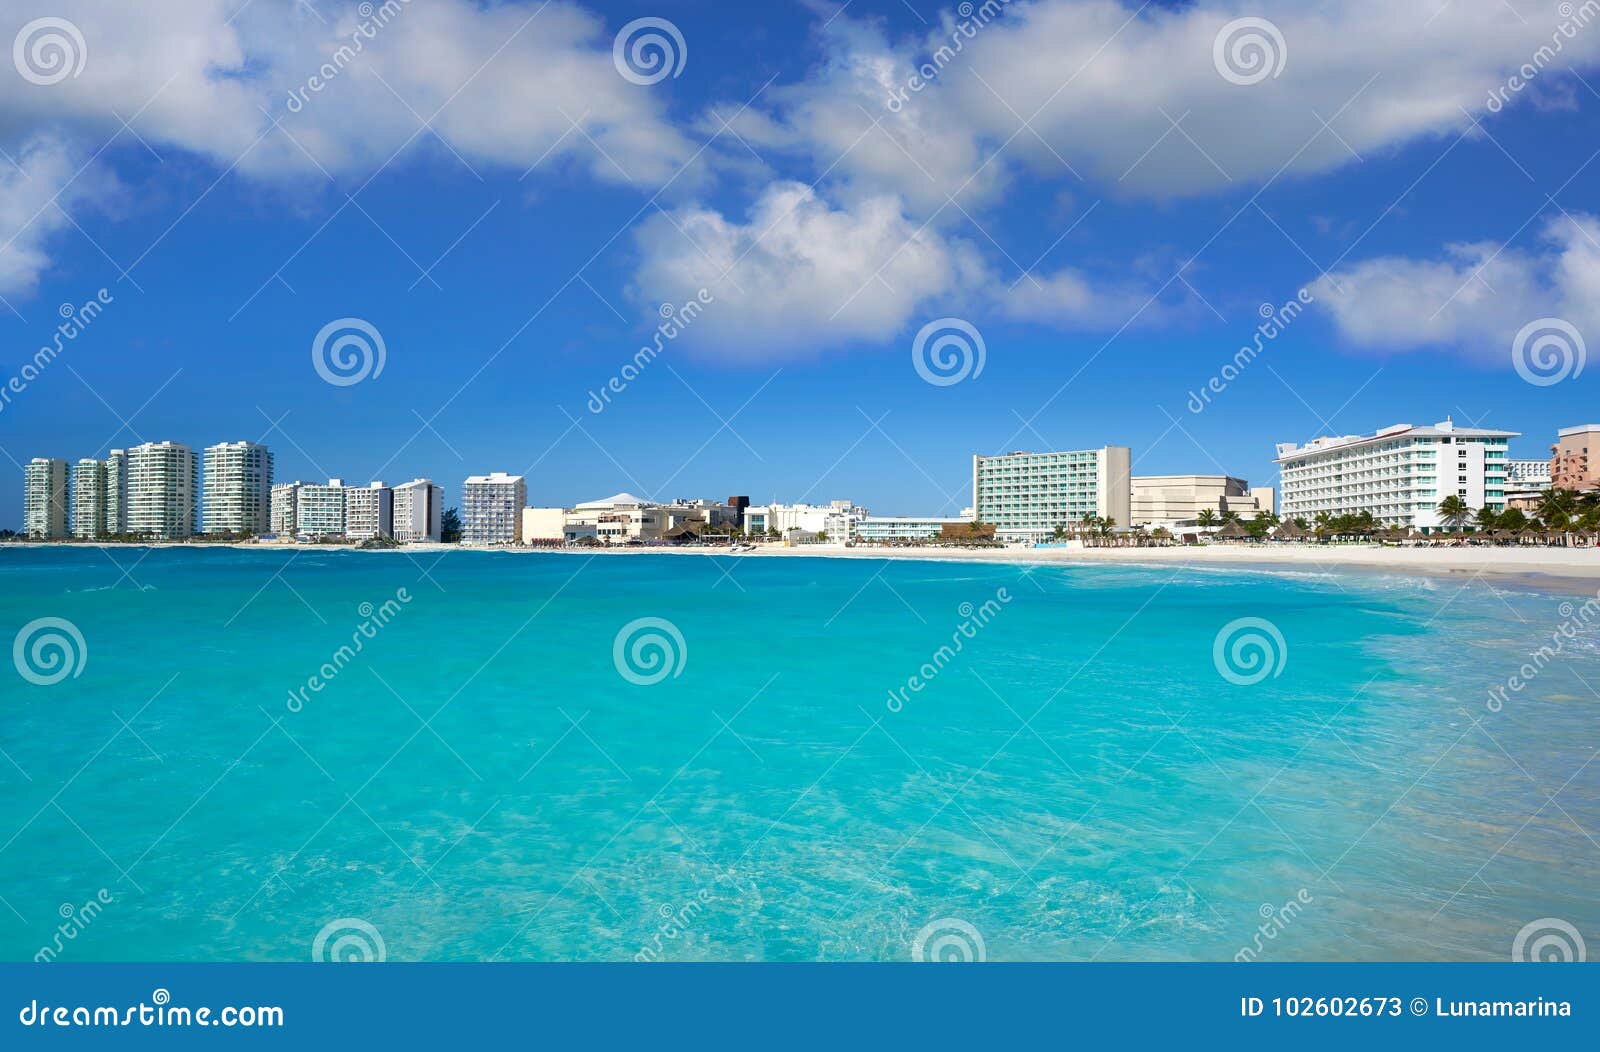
1112, 251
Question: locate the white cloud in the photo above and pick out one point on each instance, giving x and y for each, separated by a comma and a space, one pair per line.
1098, 80
801, 275
37, 194
1476, 298
506, 86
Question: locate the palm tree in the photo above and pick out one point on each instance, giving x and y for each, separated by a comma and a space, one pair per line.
1454, 511
1206, 519
1487, 519
1059, 534
1556, 506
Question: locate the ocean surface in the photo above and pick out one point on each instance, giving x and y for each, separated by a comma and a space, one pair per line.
658, 757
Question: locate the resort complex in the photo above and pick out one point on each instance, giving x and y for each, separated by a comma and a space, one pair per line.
1426, 479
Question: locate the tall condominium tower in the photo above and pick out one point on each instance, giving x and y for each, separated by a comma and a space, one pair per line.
319, 510
418, 511
116, 512
89, 499
1027, 495
491, 508
163, 480
237, 489
44, 498
285, 506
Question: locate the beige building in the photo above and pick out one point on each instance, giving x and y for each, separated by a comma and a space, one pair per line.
1572, 464
1179, 499
544, 524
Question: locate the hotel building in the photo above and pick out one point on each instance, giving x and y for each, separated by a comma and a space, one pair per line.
491, 508
237, 491
1399, 474
418, 511
163, 480
1025, 496
319, 510
899, 528
1177, 500
369, 512
1572, 466
1527, 475
117, 492
89, 499
44, 499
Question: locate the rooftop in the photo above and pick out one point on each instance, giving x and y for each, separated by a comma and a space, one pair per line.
1443, 429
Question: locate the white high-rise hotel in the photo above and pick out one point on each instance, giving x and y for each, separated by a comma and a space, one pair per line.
491, 508
238, 488
44, 498
1399, 474
1027, 495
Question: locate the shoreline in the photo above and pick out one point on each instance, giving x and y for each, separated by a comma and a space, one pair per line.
1551, 570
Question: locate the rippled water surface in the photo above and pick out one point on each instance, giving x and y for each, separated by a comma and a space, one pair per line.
810, 776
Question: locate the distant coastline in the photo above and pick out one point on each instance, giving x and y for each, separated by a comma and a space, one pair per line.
1563, 570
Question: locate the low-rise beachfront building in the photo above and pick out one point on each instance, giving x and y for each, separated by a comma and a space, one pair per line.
1575, 458
544, 525
319, 510
44, 499
1026, 496
116, 513
876, 528
1399, 474
89, 499
837, 518
1526, 481
236, 491
369, 512
491, 508
163, 490
418, 511
1177, 500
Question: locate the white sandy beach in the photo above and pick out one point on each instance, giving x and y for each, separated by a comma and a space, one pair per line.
1546, 569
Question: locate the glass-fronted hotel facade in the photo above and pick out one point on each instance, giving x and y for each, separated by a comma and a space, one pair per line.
1026, 496
1399, 474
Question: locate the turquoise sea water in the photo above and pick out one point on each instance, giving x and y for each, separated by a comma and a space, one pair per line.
1078, 780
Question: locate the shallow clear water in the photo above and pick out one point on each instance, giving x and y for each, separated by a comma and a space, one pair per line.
1077, 781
